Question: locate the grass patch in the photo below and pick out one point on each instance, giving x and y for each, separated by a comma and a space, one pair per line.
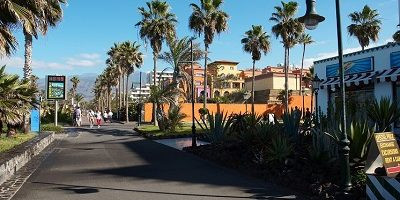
51, 127
152, 130
9, 143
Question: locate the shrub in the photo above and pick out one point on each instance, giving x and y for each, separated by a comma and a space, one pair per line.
203, 111
243, 125
52, 127
175, 118
217, 126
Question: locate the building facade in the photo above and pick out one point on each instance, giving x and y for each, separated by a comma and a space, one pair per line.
271, 82
140, 93
161, 77
198, 80
370, 74
225, 78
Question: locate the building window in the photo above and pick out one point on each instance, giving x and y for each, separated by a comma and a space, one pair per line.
232, 68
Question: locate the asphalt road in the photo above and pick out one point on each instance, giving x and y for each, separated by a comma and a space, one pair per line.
113, 163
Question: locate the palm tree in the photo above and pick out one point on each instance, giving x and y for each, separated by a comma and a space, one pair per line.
365, 26
12, 13
45, 13
157, 24
179, 50
16, 98
75, 81
289, 29
304, 39
208, 19
161, 95
119, 72
255, 42
129, 56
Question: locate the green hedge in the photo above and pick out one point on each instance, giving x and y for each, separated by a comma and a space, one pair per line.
52, 127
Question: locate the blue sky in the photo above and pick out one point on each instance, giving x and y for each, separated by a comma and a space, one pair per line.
90, 27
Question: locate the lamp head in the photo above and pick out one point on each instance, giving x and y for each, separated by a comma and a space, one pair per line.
311, 19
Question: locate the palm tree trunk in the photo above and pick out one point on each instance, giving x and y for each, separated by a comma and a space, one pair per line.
123, 89
27, 71
28, 55
155, 84
109, 98
127, 99
301, 70
119, 97
286, 80
252, 87
205, 76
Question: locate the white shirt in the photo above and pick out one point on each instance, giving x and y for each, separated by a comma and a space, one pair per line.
98, 115
110, 114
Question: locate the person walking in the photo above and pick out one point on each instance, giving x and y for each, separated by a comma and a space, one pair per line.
105, 116
91, 118
98, 118
74, 117
110, 114
78, 116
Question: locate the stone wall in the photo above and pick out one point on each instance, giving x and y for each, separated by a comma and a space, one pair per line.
11, 161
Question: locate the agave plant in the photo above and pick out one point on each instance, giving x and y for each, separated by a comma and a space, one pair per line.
384, 114
280, 149
291, 123
216, 127
360, 136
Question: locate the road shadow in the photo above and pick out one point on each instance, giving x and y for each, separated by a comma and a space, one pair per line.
81, 189
171, 165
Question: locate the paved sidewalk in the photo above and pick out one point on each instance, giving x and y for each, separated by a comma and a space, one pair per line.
113, 163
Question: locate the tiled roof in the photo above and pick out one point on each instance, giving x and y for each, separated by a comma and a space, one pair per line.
388, 45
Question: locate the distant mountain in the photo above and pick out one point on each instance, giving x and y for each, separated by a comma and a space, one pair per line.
86, 83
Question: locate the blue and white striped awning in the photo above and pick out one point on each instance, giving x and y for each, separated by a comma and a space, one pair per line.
365, 78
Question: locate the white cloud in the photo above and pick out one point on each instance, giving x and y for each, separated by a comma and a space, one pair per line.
82, 60
82, 63
90, 56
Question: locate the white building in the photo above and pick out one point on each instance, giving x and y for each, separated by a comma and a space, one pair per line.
370, 74
163, 75
138, 92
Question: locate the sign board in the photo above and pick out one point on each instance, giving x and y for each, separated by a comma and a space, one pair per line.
56, 87
384, 152
35, 120
351, 67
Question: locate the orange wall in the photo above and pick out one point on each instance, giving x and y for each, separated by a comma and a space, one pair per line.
232, 108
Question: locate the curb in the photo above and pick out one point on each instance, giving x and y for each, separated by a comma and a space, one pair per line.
15, 159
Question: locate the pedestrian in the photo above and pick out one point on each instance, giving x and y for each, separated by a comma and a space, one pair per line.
74, 117
105, 116
98, 118
91, 118
308, 114
78, 116
110, 115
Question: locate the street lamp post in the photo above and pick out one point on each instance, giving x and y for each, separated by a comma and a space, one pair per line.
140, 99
311, 20
194, 136
316, 84
302, 95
